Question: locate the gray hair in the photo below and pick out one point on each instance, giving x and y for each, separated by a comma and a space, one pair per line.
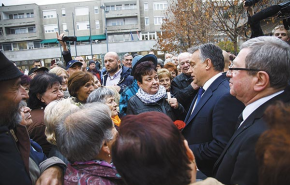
269, 54
100, 95
212, 52
126, 55
81, 133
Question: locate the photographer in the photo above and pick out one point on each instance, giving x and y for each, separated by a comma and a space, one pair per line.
254, 19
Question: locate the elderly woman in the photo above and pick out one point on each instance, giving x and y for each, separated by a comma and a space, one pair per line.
151, 96
107, 96
64, 75
165, 78
85, 137
52, 117
150, 150
80, 85
44, 88
25, 114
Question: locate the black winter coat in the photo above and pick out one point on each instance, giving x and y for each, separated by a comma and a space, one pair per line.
136, 106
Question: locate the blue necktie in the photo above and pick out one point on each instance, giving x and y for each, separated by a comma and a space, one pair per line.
200, 92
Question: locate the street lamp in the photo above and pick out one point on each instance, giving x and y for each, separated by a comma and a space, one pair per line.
106, 31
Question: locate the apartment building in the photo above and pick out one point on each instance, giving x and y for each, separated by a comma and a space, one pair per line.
28, 32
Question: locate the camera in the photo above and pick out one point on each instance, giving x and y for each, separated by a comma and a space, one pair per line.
251, 2
69, 38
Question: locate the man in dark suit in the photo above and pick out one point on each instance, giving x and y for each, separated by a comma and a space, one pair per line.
258, 77
211, 119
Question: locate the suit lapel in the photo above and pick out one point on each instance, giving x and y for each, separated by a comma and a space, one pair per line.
206, 96
257, 114
190, 110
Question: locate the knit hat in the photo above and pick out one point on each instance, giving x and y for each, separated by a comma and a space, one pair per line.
8, 70
91, 61
138, 59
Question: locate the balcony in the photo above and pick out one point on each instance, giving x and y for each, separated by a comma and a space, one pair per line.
123, 28
20, 37
17, 22
122, 13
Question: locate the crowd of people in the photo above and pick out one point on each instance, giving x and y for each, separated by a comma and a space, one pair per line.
83, 124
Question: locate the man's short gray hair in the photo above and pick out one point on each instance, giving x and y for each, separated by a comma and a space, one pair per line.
100, 95
126, 55
82, 133
269, 54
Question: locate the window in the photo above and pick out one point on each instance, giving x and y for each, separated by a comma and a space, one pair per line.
30, 45
63, 11
82, 11
36, 44
30, 15
110, 7
130, 6
146, 21
158, 20
83, 25
116, 22
20, 15
97, 24
15, 46
160, 6
31, 30
119, 7
1, 31
7, 47
145, 6
64, 26
51, 28
48, 14
22, 45
96, 10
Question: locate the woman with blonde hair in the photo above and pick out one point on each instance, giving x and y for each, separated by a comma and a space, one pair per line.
52, 116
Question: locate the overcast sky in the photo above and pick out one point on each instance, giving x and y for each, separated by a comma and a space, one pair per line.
39, 2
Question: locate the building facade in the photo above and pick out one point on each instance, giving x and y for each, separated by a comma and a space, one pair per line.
28, 32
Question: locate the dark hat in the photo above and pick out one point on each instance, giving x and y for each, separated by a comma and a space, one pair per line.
91, 61
8, 70
138, 59
71, 63
37, 69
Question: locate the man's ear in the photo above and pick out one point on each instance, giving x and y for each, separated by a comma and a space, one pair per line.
208, 64
189, 153
262, 80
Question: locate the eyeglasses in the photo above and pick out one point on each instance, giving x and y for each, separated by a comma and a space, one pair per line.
231, 69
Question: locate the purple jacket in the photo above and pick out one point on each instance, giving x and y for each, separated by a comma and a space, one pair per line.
92, 172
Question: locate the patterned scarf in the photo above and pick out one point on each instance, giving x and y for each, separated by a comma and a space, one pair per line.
151, 98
